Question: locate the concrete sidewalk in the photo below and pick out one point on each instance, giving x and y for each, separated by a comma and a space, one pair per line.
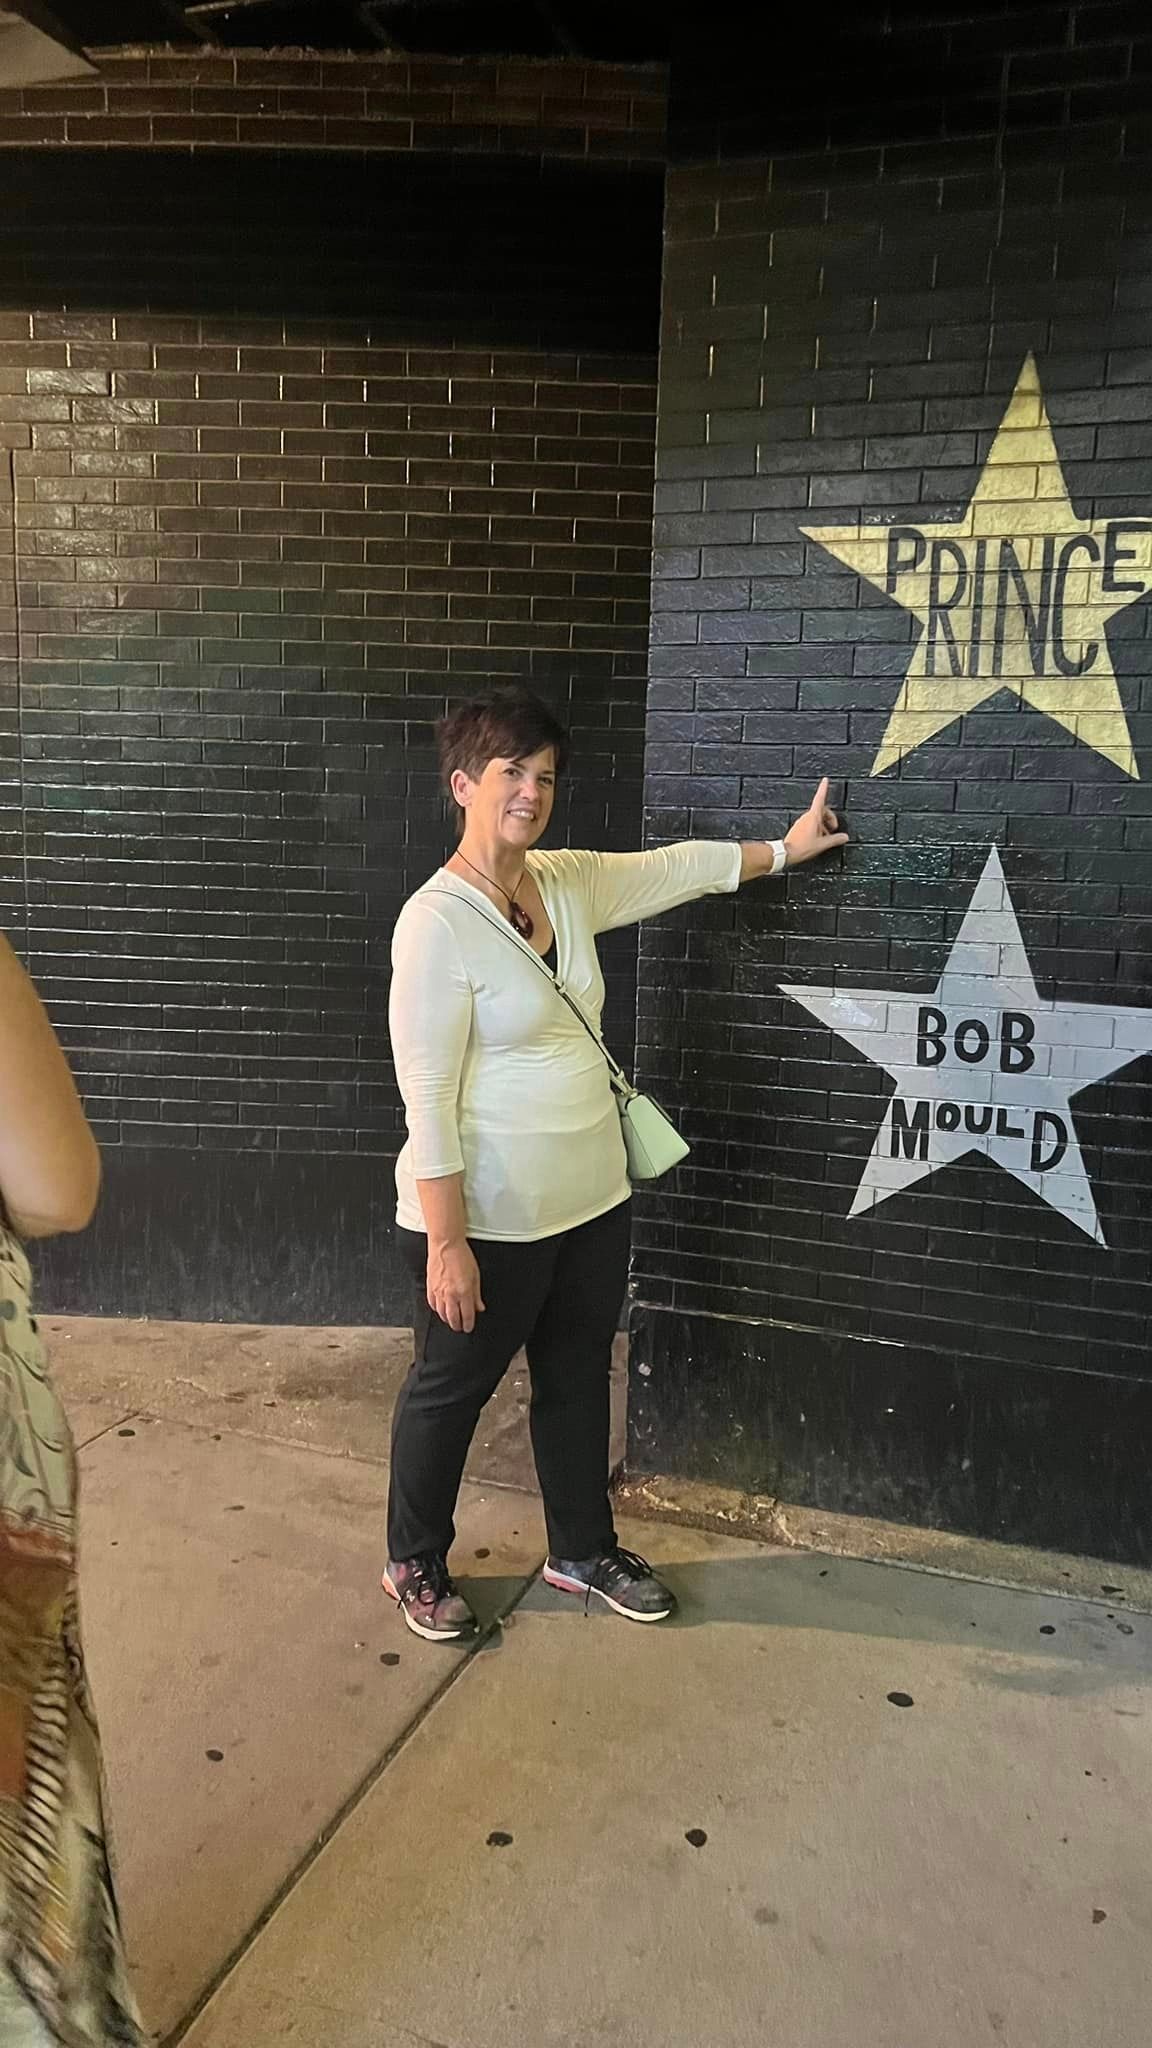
249, 1674
837, 1804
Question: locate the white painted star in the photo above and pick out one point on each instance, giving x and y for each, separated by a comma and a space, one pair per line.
983, 1065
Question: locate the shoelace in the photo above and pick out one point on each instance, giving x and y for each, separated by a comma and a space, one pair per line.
430, 1579
627, 1561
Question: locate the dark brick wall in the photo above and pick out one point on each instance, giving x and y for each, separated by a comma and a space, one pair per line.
302, 99
858, 263
294, 464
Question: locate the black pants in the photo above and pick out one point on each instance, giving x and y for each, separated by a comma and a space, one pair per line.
559, 1298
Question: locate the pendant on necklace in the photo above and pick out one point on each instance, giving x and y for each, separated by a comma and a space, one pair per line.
520, 921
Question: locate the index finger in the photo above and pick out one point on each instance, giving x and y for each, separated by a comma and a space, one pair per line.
820, 799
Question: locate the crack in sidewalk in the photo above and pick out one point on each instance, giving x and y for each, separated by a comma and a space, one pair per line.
332, 1827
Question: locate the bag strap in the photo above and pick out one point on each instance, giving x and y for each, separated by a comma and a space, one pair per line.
620, 1081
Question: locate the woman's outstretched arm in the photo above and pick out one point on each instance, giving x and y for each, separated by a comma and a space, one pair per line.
49, 1163
623, 888
815, 832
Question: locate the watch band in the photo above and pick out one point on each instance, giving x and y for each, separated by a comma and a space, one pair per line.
779, 856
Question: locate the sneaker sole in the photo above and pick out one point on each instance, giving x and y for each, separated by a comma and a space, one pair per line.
564, 1585
427, 1635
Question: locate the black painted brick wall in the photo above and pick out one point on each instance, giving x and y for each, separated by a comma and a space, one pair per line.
855, 271
259, 544
331, 100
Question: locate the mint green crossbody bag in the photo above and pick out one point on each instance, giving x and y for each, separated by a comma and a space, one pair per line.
652, 1142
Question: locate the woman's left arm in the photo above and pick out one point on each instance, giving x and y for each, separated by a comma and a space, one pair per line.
624, 888
816, 831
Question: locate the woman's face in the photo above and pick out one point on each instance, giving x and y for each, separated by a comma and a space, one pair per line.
511, 802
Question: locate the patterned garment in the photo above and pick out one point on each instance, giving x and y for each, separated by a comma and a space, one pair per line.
60, 1949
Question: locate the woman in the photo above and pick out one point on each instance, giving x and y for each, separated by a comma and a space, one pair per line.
513, 1211
62, 1974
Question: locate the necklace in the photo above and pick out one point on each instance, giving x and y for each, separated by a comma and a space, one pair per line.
518, 918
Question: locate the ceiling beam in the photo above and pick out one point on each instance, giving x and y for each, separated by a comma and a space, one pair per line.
36, 48
178, 16
367, 14
559, 28
210, 7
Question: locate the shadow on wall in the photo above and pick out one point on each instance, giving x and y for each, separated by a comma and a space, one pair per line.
512, 251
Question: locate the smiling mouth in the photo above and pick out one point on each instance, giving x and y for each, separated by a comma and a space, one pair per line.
529, 815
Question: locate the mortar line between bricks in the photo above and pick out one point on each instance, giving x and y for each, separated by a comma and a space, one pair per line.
343, 1813
750, 1322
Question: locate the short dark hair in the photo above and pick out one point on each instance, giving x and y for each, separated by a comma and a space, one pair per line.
508, 725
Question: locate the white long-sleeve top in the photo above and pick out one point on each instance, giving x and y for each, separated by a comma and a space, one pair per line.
500, 1081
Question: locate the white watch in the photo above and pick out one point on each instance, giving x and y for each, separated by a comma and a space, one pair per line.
779, 856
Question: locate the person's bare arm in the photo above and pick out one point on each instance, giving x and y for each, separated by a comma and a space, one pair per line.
453, 1276
49, 1164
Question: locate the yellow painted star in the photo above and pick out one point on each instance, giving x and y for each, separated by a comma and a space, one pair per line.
1014, 596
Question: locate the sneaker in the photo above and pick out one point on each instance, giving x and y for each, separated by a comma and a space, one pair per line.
427, 1598
626, 1582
